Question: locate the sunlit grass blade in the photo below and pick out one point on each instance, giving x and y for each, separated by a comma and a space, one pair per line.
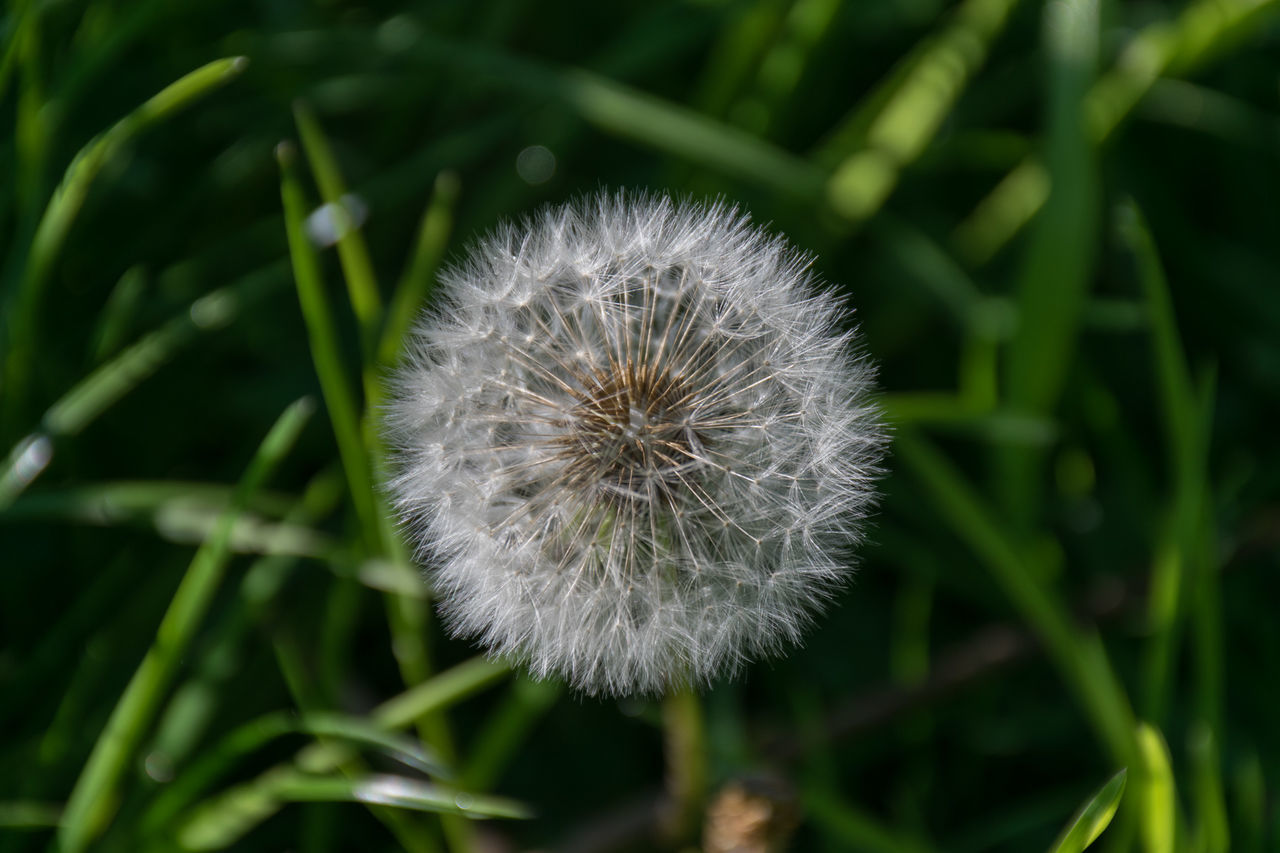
94, 797
415, 285
1079, 655
1092, 818
22, 314
322, 335
909, 117
1161, 48
1157, 803
353, 253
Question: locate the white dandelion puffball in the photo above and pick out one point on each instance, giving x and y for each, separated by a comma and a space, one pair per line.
634, 443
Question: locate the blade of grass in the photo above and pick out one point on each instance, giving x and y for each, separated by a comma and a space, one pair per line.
94, 796
102, 388
1179, 550
323, 338
28, 272
1093, 817
1160, 49
237, 811
1212, 833
621, 110
1079, 655
246, 740
415, 285
353, 253
806, 24
223, 825
1157, 804
1057, 273
910, 117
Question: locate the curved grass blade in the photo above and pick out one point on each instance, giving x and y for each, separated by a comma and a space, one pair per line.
1092, 818
64, 206
95, 794
248, 739
223, 822
1157, 802
102, 388
229, 816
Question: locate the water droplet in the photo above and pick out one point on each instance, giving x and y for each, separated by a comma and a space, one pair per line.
536, 164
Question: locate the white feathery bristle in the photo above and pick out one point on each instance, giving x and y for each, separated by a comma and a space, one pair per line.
634, 443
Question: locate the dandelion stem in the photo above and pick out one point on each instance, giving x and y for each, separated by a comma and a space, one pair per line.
686, 748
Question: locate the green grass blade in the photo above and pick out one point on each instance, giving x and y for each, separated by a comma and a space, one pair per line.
1179, 551
353, 253
22, 315
226, 818
1208, 798
102, 388
1157, 802
1080, 656
415, 285
1058, 271
1092, 818
659, 124
248, 739
94, 796
221, 823
1157, 50
910, 117
322, 335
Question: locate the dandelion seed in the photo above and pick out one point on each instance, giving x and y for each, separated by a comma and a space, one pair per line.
634, 444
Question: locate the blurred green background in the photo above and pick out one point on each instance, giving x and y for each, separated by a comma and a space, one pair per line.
1058, 225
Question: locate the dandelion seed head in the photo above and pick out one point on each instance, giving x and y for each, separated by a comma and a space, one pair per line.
635, 443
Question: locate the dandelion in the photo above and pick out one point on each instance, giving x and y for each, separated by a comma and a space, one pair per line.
634, 443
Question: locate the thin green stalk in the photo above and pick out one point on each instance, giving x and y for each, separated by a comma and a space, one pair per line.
686, 752
95, 795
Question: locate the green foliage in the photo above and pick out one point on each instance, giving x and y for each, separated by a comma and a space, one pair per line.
1056, 222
